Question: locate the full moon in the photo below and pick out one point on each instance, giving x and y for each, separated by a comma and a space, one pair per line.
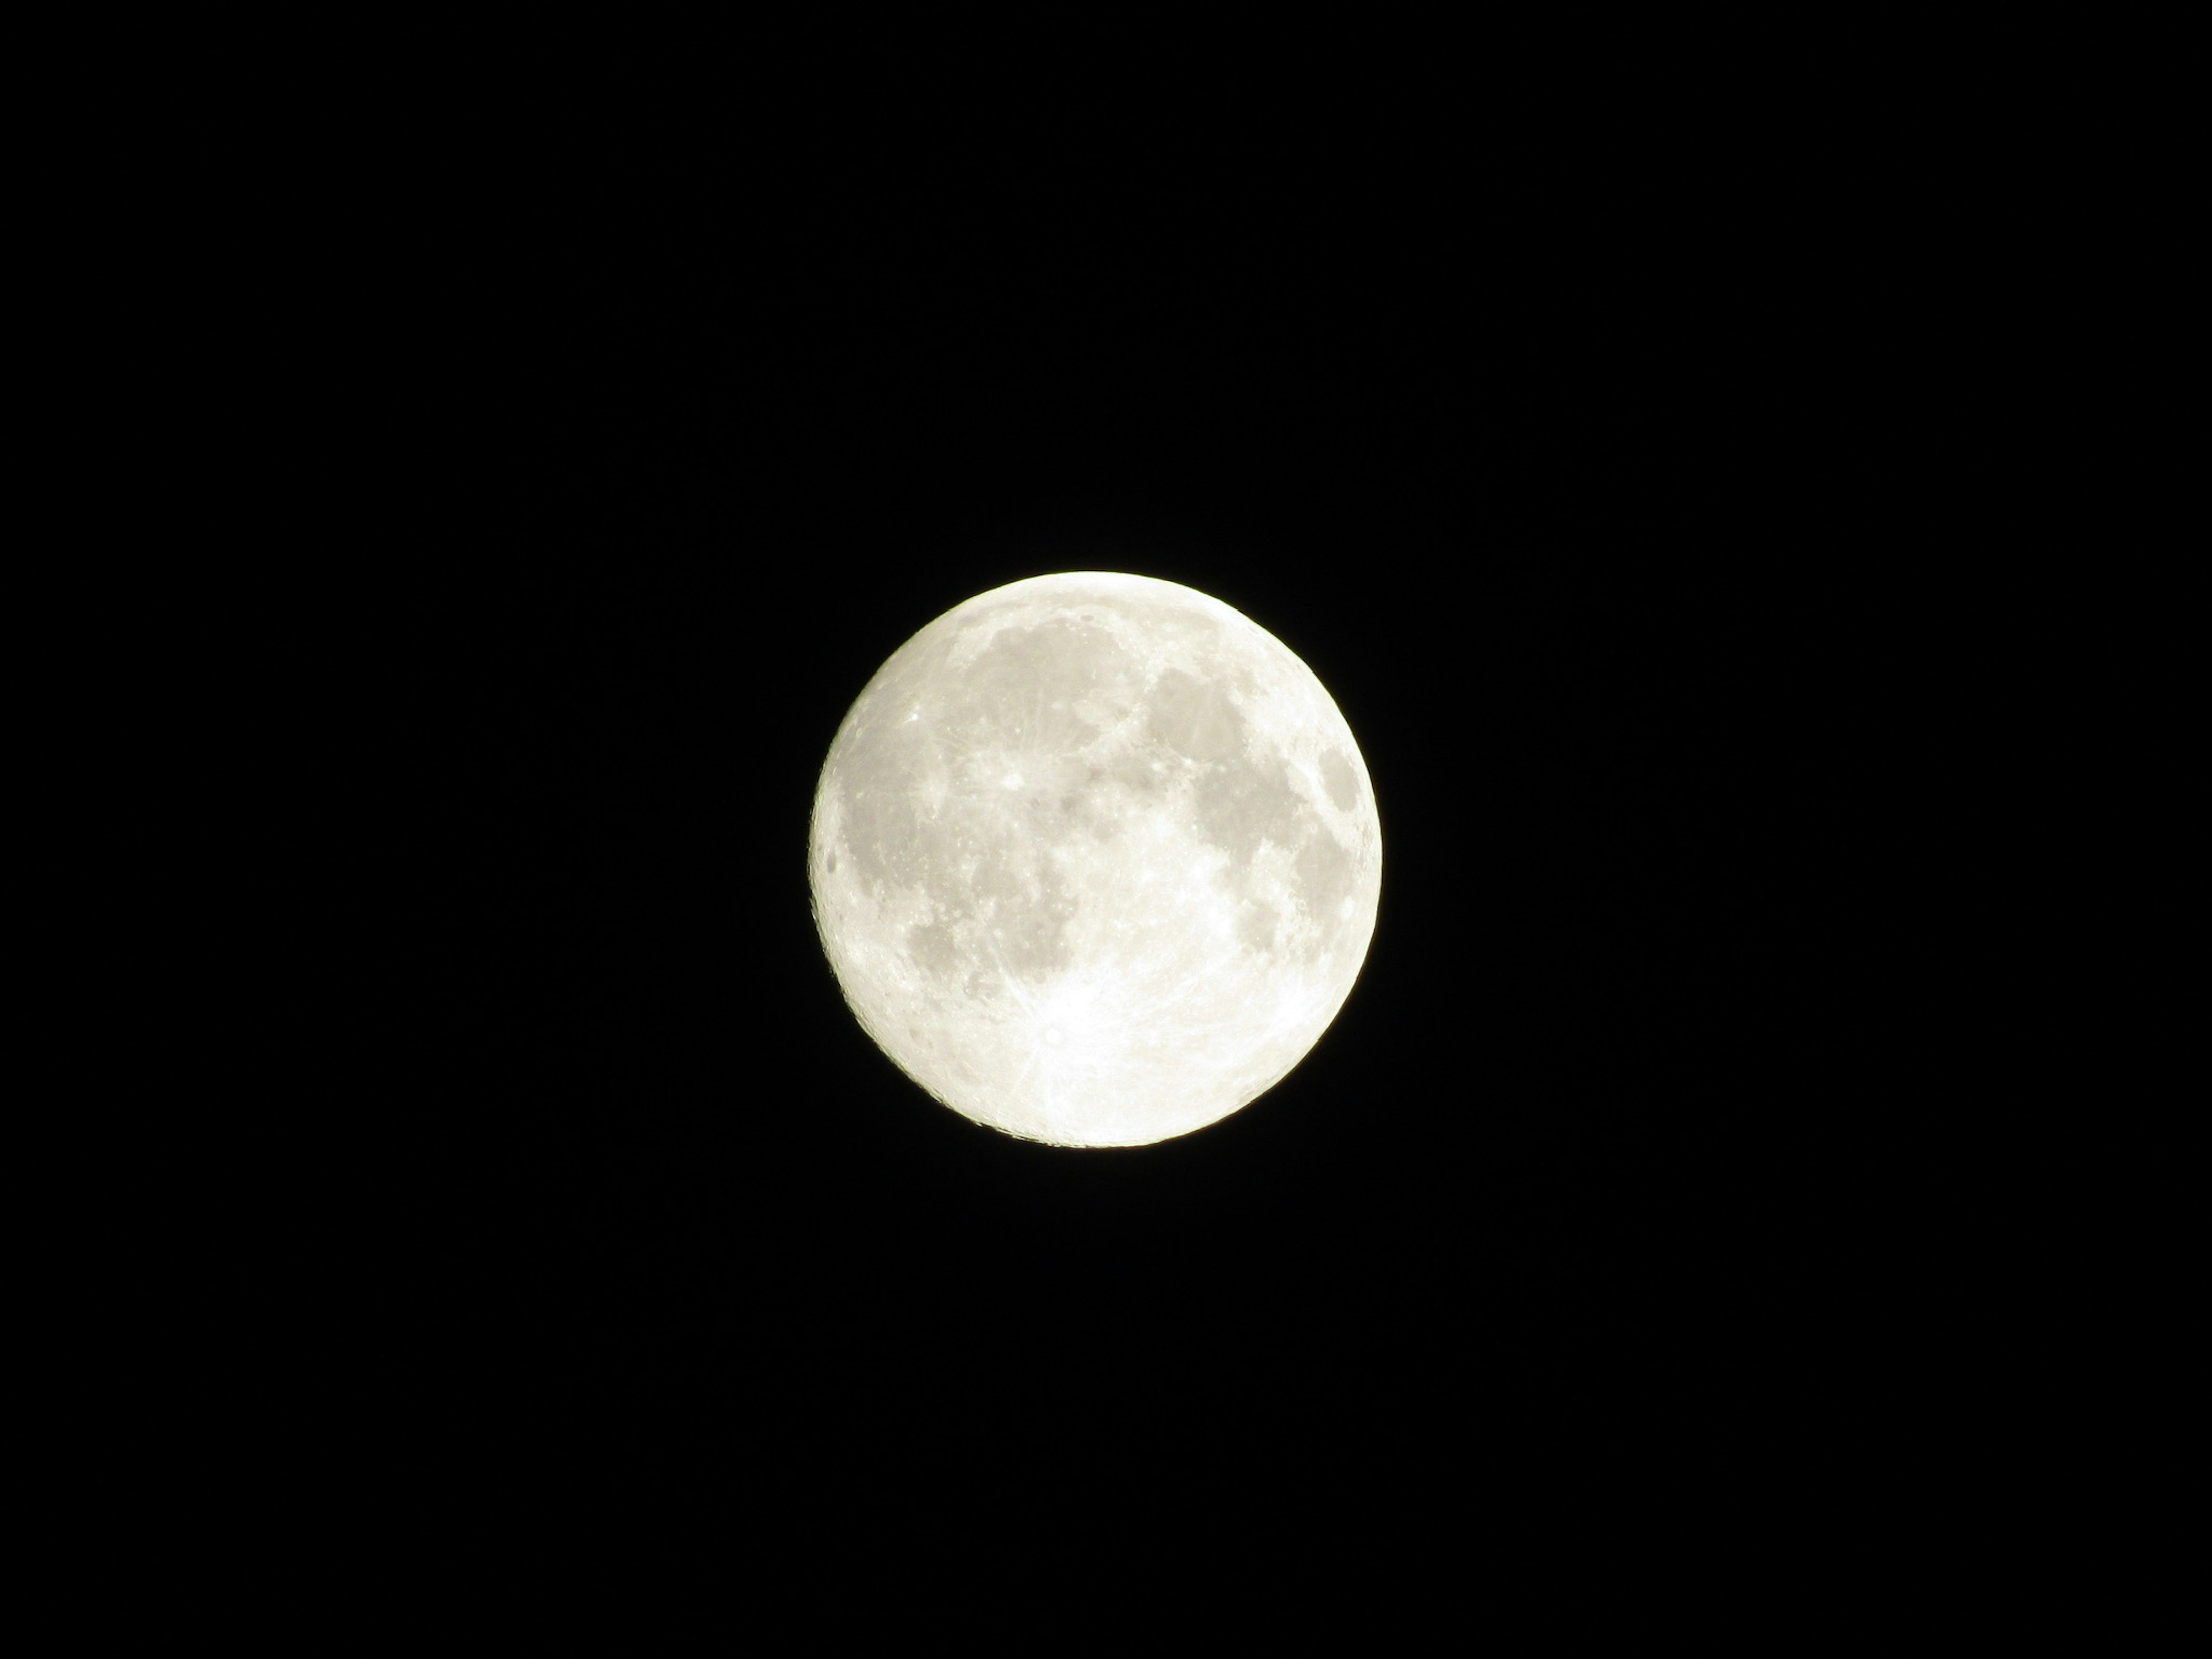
1095, 860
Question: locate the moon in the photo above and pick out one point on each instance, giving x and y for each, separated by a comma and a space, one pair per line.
1095, 860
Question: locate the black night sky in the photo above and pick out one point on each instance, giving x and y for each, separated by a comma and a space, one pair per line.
1548, 463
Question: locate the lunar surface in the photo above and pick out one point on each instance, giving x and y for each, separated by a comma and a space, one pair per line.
1095, 860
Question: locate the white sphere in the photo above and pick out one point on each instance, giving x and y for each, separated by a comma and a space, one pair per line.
1095, 860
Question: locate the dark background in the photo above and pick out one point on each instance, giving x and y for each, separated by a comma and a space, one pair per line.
1559, 459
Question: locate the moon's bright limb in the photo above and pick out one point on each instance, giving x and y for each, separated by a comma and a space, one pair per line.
1095, 859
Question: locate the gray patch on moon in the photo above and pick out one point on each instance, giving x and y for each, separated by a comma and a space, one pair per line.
1325, 875
932, 949
1133, 772
880, 830
1195, 718
1023, 689
1256, 928
1340, 779
1238, 808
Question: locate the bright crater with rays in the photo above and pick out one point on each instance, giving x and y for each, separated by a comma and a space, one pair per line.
1095, 860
